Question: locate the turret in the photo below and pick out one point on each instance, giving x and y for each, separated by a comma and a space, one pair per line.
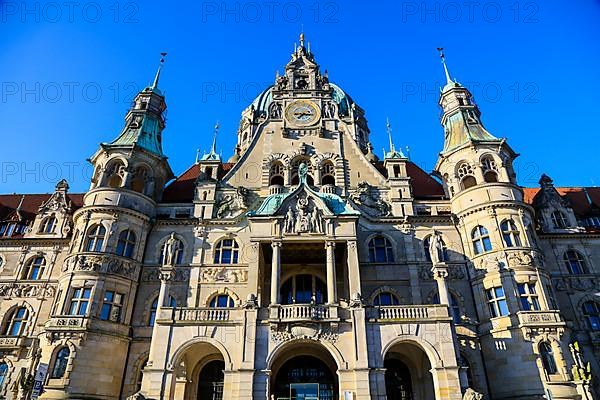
395, 163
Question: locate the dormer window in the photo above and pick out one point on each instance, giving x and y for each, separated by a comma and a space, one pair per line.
48, 225
559, 220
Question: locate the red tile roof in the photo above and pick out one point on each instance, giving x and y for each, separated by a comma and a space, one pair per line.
31, 203
583, 200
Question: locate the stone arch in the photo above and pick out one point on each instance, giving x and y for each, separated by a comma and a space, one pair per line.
432, 353
72, 354
277, 352
135, 372
557, 350
10, 374
222, 290
147, 180
384, 289
110, 171
147, 306
178, 355
579, 311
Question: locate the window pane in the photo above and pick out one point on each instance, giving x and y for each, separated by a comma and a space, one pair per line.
105, 312
86, 293
487, 244
499, 292
82, 308
503, 307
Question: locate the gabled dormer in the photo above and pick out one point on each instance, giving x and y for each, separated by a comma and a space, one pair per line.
554, 213
54, 215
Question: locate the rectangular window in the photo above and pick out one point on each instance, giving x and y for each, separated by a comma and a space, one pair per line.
551, 297
80, 301
497, 302
111, 306
528, 297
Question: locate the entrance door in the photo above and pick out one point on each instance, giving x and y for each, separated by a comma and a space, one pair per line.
210, 381
398, 384
305, 378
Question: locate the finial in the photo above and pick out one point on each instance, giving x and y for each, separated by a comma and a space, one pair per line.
157, 77
302, 39
213, 149
197, 155
443, 57
308, 48
388, 127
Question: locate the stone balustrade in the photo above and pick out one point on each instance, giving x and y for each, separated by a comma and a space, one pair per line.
539, 318
303, 312
202, 314
409, 313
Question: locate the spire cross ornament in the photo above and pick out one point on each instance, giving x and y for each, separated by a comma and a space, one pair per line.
388, 127
213, 149
443, 58
160, 65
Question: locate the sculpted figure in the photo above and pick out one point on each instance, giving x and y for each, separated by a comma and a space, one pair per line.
436, 248
171, 250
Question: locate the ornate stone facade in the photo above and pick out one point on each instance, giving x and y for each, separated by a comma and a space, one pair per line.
325, 264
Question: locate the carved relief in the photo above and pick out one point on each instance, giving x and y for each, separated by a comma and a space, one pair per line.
153, 274
520, 259
310, 331
26, 290
455, 272
223, 274
230, 205
574, 283
103, 264
369, 201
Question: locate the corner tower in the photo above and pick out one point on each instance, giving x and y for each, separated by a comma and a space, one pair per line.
93, 310
512, 288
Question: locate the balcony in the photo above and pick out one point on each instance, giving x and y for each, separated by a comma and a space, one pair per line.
434, 312
303, 313
539, 318
199, 315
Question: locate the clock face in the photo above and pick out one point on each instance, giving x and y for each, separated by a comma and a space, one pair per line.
302, 113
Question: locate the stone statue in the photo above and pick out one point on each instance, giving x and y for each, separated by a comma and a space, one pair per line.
289, 220
436, 248
316, 220
170, 250
276, 110
470, 394
302, 172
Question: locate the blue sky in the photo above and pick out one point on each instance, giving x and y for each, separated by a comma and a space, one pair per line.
69, 72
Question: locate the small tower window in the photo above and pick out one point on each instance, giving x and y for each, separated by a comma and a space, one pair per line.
481, 240
95, 238
490, 169
126, 243
115, 174
80, 301
559, 220
328, 173
139, 180
575, 263
276, 174
466, 176
510, 233
497, 302
3, 374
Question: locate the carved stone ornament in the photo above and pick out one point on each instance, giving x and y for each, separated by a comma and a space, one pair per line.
369, 201
576, 284
455, 272
303, 217
171, 250
27, 290
104, 264
223, 274
520, 258
151, 274
470, 394
307, 332
489, 263
436, 247
232, 204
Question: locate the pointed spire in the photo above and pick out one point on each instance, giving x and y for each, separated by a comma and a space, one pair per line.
302, 38
443, 58
212, 155
160, 65
388, 128
213, 149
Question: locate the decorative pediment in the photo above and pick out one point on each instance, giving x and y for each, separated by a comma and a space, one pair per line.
58, 202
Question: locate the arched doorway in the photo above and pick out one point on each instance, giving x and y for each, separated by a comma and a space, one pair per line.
305, 377
210, 381
398, 382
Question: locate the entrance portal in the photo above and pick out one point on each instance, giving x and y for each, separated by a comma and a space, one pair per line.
397, 380
305, 378
210, 381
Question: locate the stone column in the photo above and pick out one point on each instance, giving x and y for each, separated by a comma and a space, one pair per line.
331, 281
440, 274
275, 272
353, 270
166, 275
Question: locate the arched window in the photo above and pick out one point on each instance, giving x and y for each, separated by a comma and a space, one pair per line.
126, 243
490, 169
510, 233
295, 165
559, 220
276, 174
575, 262
466, 176
386, 299
179, 255
303, 289
3, 374
115, 174
48, 225
60, 363
547, 356
226, 252
426, 242
591, 312
95, 238
327, 173
34, 268
380, 250
481, 240
17, 322
221, 301
139, 180
455, 312
154, 308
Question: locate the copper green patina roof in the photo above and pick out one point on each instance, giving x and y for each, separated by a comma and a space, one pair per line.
459, 132
143, 130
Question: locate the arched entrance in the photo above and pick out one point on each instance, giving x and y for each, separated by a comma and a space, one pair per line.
210, 381
408, 373
305, 378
